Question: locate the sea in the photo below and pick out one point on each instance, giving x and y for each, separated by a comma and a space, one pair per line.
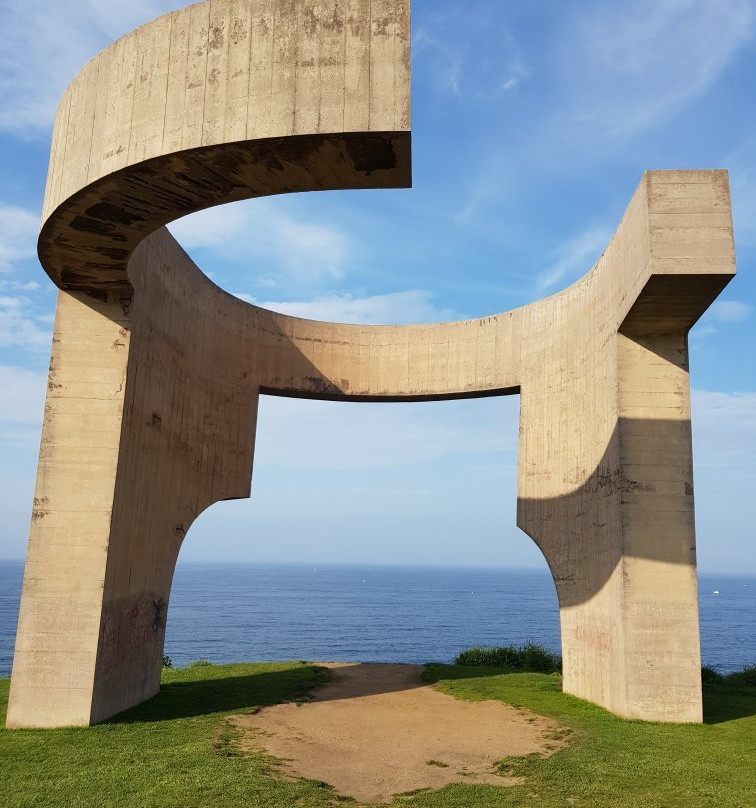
265, 612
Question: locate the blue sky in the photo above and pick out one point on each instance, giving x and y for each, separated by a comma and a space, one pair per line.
532, 124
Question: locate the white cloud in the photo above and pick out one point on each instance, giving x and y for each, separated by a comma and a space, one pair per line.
724, 432
18, 237
329, 435
21, 327
19, 286
730, 311
413, 306
574, 258
23, 396
265, 236
736, 410
43, 45
701, 332
721, 312
628, 67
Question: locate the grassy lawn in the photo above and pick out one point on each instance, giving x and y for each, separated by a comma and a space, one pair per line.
178, 750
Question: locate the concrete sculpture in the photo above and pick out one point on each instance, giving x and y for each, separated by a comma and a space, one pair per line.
155, 372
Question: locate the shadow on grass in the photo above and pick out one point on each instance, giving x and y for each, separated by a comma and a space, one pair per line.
218, 690
223, 694
720, 702
721, 705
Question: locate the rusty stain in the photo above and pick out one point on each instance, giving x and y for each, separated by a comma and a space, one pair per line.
239, 31
310, 22
217, 38
381, 26
113, 152
158, 620
634, 487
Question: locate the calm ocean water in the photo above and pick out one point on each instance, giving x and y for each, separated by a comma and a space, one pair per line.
383, 614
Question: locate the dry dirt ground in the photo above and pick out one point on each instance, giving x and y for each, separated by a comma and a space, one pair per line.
375, 731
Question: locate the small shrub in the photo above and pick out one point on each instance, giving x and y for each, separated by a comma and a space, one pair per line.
710, 676
743, 678
738, 680
529, 657
167, 662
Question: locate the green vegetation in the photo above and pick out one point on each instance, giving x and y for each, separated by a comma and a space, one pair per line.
711, 677
175, 750
529, 657
612, 763
180, 749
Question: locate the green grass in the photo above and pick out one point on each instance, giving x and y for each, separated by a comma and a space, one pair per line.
613, 763
178, 750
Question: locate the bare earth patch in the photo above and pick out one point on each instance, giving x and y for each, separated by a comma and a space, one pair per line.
375, 731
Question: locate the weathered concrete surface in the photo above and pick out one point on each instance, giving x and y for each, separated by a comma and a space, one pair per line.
155, 372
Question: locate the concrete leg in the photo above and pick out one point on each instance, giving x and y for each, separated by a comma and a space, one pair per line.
148, 422
621, 540
56, 654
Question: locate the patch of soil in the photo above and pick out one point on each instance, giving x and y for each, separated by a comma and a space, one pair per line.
375, 731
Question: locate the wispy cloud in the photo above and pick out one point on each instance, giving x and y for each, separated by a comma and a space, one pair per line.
269, 240
21, 407
23, 396
20, 326
730, 311
18, 236
318, 434
721, 312
43, 45
472, 56
19, 286
573, 259
641, 62
724, 431
413, 306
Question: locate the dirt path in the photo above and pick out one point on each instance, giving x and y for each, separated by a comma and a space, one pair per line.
375, 731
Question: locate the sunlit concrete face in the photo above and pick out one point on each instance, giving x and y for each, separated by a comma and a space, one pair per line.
155, 372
